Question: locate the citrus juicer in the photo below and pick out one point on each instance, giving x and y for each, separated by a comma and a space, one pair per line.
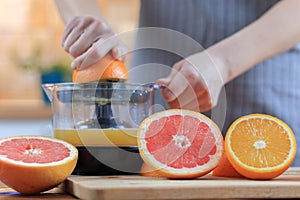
101, 119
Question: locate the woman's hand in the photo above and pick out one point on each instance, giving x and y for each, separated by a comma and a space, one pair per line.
194, 83
88, 39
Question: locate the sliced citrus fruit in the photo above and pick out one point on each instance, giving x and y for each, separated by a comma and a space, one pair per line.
260, 146
105, 69
147, 170
180, 143
225, 169
32, 164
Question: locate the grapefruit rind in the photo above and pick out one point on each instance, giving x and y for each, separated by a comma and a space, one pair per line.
171, 172
263, 172
147, 170
35, 178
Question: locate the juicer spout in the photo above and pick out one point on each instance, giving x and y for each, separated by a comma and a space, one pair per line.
49, 88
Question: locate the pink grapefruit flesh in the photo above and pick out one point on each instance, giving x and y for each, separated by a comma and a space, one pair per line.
33, 150
33, 164
180, 143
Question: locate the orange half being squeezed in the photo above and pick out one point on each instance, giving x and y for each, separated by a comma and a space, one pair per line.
106, 69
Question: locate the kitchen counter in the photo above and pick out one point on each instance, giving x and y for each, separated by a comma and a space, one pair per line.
138, 187
25, 117
9, 194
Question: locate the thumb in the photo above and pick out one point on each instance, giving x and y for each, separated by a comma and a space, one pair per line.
119, 52
166, 92
167, 80
164, 81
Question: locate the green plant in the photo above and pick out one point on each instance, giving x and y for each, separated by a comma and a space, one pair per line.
34, 62
61, 68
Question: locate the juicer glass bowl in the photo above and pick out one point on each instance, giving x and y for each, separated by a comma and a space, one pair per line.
101, 119
99, 104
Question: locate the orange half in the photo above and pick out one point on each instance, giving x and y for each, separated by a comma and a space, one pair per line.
260, 146
106, 69
225, 169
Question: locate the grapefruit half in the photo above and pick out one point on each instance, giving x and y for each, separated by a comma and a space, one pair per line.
180, 144
33, 164
147, 170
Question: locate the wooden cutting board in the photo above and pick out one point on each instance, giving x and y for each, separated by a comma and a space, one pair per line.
207, 187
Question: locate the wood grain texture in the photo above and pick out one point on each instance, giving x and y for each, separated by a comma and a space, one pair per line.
207, 187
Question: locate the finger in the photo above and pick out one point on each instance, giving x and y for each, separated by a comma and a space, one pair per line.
167, 92
75, 33
70, 26
90, 35
119, 52
190, 95
72, 37
75, 64
201, 104
97, 51
177, 85
187, 82
175, 69
164, 82
115, 52
174, 104
88, 60
196, 94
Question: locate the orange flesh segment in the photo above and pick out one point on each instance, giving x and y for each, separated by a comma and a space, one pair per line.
256, 145
33, 150
186, 145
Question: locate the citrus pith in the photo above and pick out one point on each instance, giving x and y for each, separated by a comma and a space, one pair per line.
33, 164
180, 143
147, 170
260, 146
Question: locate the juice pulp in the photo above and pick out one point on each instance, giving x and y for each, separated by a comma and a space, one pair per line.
98, 137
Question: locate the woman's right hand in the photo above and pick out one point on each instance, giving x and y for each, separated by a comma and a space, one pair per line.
88, 39
195, 82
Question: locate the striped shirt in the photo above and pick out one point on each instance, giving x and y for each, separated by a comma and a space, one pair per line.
271, 87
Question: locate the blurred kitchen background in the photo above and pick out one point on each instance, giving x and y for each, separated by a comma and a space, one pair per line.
30, 48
